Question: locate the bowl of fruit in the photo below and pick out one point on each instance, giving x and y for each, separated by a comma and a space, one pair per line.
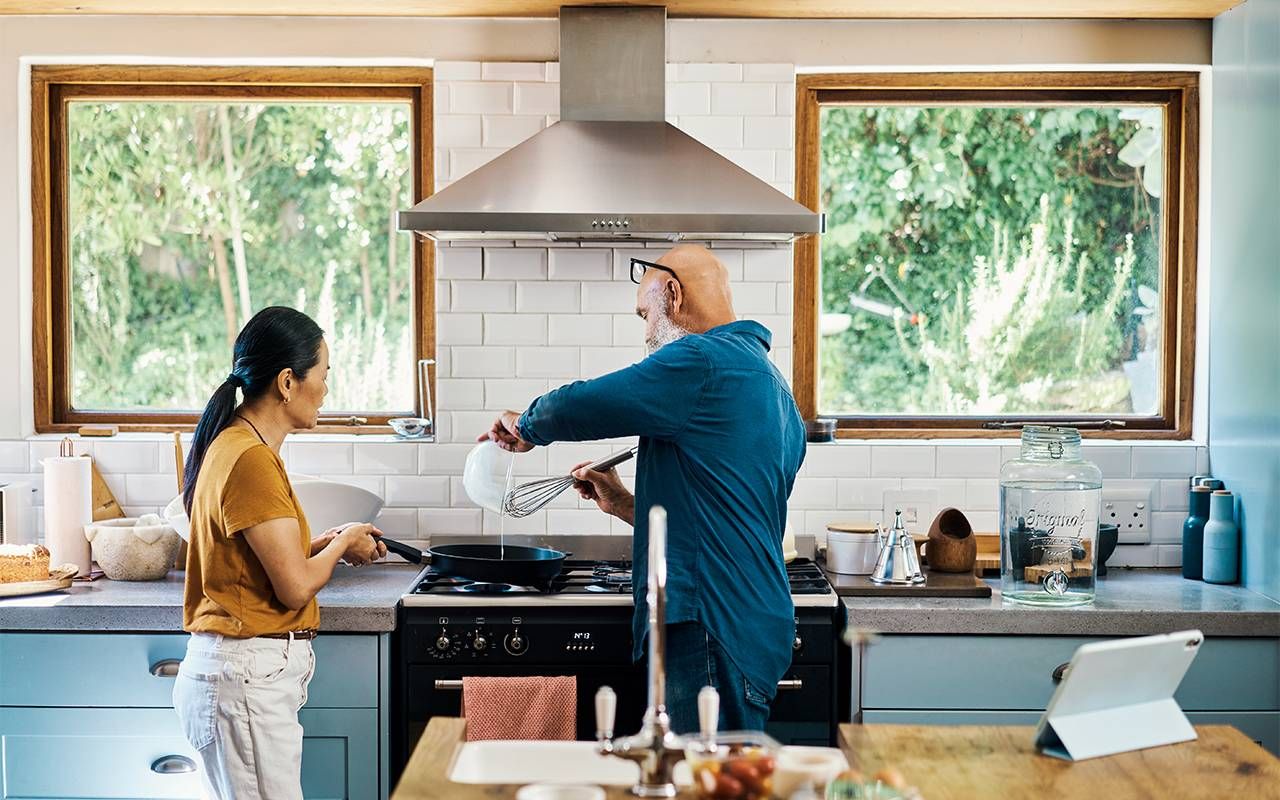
738, 765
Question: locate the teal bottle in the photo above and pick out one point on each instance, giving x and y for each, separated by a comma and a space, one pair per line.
1193, 533
1221, 540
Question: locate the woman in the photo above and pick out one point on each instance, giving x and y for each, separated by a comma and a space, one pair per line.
253, 569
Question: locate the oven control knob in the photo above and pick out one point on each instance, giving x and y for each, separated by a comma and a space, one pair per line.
798, 644
442, 643
516, 644
479, 642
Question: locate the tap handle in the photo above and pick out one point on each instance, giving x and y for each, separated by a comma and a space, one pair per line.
606, 707
708, 711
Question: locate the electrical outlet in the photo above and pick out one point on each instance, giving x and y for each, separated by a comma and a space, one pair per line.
918, 508
1130, 510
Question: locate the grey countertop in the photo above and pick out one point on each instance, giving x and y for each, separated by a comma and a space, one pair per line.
356, 600
1129, 602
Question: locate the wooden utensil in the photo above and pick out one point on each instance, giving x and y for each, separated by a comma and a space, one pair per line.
952, 546
179, 466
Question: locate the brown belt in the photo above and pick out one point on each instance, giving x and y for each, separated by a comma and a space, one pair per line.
308, 633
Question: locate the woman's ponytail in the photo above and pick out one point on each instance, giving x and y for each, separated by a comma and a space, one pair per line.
277, 338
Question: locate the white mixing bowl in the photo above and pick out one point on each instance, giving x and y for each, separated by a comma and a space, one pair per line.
326, 504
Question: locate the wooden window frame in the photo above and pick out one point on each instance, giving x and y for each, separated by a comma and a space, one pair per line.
1177, 92
52, 87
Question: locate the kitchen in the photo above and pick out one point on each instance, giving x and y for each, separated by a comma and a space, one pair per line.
506, 320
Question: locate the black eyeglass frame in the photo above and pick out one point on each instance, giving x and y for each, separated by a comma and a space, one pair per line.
645, 266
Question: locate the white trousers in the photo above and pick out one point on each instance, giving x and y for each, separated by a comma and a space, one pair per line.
238, 702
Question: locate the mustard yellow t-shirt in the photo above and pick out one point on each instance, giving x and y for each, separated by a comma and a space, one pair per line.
242, 483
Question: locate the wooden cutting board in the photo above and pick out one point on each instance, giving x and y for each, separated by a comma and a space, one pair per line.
937, 584
104, 502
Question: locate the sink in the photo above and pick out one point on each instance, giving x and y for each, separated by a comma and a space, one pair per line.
521, 762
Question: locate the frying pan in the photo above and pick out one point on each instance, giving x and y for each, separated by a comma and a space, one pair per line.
518, 565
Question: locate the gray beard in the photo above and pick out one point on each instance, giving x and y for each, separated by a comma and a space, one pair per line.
664, 333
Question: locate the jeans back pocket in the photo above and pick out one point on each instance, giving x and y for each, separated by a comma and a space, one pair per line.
195, 698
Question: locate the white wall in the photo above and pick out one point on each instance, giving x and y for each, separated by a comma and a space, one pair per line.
515, 321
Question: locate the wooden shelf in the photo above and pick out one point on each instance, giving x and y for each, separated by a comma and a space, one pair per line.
762, 9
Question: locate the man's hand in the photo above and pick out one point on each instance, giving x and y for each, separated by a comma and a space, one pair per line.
506, 433
607, 490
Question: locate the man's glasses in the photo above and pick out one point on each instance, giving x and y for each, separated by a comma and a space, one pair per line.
639, 267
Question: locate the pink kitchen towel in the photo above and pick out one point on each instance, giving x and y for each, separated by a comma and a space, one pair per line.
520, 708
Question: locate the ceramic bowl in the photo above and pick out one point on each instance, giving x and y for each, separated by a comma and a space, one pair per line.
133, 549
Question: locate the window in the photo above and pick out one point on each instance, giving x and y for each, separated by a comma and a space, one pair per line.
999, 248
172, 203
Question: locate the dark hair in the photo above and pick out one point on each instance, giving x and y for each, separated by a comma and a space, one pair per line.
277, 338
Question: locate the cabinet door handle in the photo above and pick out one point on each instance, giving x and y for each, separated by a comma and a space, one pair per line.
173, 765
1060, 672
790, 684
166, 668
448, 685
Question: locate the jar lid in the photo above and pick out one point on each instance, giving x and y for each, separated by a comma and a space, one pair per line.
852, 527
1223, 492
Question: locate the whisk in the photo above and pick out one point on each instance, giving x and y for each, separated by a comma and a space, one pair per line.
529, 497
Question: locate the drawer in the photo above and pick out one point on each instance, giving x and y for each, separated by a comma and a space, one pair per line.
1261, 726
112, 751
114, 670
1015, 672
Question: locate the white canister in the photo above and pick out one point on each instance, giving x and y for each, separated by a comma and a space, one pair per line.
68, 507
852, 553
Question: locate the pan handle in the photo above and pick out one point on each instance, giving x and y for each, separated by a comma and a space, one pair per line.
614, 460
412, 554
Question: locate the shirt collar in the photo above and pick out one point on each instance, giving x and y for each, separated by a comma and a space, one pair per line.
746, 327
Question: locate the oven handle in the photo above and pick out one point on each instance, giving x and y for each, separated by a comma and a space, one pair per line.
448, 685
788, 684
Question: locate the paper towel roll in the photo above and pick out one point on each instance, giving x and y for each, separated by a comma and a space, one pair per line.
68, 507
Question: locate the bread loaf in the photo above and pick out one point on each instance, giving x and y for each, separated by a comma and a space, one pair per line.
23, 562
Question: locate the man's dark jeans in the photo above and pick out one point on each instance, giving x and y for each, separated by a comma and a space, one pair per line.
694, 660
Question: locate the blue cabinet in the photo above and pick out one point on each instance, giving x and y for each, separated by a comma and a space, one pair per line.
83, 715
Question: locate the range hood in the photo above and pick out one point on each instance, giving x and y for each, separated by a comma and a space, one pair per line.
612, 168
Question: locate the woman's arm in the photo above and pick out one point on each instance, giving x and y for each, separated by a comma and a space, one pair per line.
296, 579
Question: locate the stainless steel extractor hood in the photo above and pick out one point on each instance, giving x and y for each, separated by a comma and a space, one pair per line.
612, 168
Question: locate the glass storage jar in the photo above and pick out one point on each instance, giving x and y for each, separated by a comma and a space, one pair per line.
1050, 501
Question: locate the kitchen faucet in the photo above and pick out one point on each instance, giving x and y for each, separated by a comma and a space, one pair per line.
656, 748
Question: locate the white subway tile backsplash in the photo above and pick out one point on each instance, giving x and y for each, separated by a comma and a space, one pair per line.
514, 393
515, 263
902, 461
688, 98
503, 131
743, 99
447, 72
982, 494
547, 362
398, 523
865, 493
386, 458
580, 265
1202, 461
39, 450
483, 296
813, 493
960, 461
1164, 462
786, 97
837, 460
767, 132
493, 525
758, 162
1113, 460
750, 299
706, 72
613, 297
527, 329
952, 492
571, 329
150, 490
443, 458
124, 456
481, 362
513, 71
553, 297
577, 520
466, 97
628, 330
13, 456
316, 458
1174, 495
769, 72
452, 329
1166, 527
598, 361
459, 393
1133, 555
417, 490
767, 265
449, 521
984, 521
537, 98
464, 160
785, 298
1169, 555
458, 130
715, 132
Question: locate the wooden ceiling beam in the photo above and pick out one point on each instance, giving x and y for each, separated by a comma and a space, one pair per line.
760, 9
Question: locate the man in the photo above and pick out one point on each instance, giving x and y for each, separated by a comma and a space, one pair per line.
721, 441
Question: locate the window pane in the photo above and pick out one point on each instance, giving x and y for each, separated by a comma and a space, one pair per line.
990, 261
186, 218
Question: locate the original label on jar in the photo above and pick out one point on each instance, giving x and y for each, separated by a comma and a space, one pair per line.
1059, 522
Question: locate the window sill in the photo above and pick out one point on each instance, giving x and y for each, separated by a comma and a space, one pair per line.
324, 436
1011, 441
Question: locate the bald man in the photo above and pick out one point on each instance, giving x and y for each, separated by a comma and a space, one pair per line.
721, 441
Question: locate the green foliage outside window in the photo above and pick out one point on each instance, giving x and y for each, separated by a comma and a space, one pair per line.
989, 260
186, 218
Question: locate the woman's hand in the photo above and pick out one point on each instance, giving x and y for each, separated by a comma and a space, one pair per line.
360, 543
607, 490
322, 541
506, 433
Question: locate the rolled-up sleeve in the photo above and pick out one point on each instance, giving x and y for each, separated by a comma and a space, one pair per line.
655, 397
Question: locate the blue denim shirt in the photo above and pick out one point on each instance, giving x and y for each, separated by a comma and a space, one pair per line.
721, 441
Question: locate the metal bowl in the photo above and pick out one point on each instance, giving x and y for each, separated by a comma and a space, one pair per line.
411, 427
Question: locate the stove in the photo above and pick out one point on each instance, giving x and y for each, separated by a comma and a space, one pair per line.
451, 628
